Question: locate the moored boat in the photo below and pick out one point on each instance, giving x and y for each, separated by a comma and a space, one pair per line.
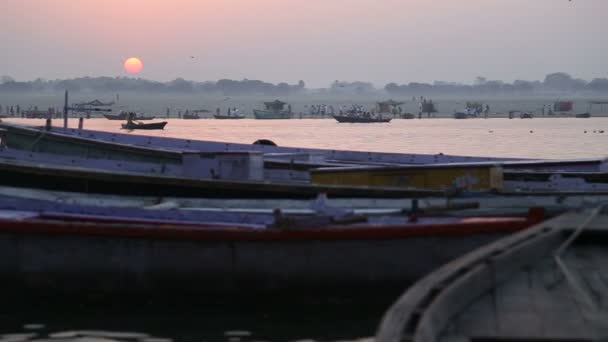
360, 119
541, 284
274, 110
165, 259
463, 115
228, 117
583, 115
193, 116
124, 115
147, 126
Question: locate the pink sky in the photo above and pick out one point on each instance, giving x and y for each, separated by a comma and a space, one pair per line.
314, 40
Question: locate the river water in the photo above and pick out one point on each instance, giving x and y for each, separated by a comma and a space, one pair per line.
550, 138
323, 319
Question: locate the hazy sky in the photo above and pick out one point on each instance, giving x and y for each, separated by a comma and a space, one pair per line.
315, 40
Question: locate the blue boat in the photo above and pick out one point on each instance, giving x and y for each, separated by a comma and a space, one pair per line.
274, 110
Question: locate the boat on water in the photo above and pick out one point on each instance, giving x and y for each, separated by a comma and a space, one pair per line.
392, 107
228, 117
113, 145
463, 115
188, 184
522, 115
124, 115
274, 110
319, 253
360, 118
193, 116
147, 126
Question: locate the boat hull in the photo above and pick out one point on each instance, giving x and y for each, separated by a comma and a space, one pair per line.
112, 258
229, 117
66, 178
271, 115
354, 119
147, 126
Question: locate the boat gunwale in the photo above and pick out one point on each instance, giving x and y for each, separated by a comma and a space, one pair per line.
227, 233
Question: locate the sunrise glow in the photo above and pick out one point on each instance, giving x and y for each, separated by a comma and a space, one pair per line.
133, 65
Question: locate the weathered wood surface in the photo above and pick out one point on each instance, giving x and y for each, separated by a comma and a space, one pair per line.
510, 289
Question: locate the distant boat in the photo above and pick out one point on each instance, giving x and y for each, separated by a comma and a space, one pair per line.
153, 125
191, 116
526, 116
123, 116
274, 110
226, 117
583, 115
408, 116
462, 115
359, 119
522, 115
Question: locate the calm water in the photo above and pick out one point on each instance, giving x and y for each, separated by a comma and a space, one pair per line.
289, 319
318, 320
530, 138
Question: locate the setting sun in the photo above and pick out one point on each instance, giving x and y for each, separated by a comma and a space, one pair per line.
133, 65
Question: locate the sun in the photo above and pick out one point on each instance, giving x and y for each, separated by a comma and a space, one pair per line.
133, 65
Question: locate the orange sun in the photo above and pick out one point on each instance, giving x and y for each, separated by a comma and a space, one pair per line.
133, 65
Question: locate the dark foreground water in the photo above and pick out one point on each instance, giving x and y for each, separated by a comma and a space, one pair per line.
267, 319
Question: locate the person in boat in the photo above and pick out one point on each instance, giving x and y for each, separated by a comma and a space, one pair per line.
130, 118
487, 111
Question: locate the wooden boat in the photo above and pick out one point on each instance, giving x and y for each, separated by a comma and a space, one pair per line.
193, 116
69, 254
123, 116
228, 117
462, 115
545, 283
153, 125
274, 110
164, 149
87, 180
522, 115
359, 119
270, 115
583, 115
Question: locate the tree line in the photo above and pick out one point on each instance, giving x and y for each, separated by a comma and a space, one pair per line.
555, 83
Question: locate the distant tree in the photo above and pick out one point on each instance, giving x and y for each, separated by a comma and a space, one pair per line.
393, 89
6, 79
598, 85
563, 82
